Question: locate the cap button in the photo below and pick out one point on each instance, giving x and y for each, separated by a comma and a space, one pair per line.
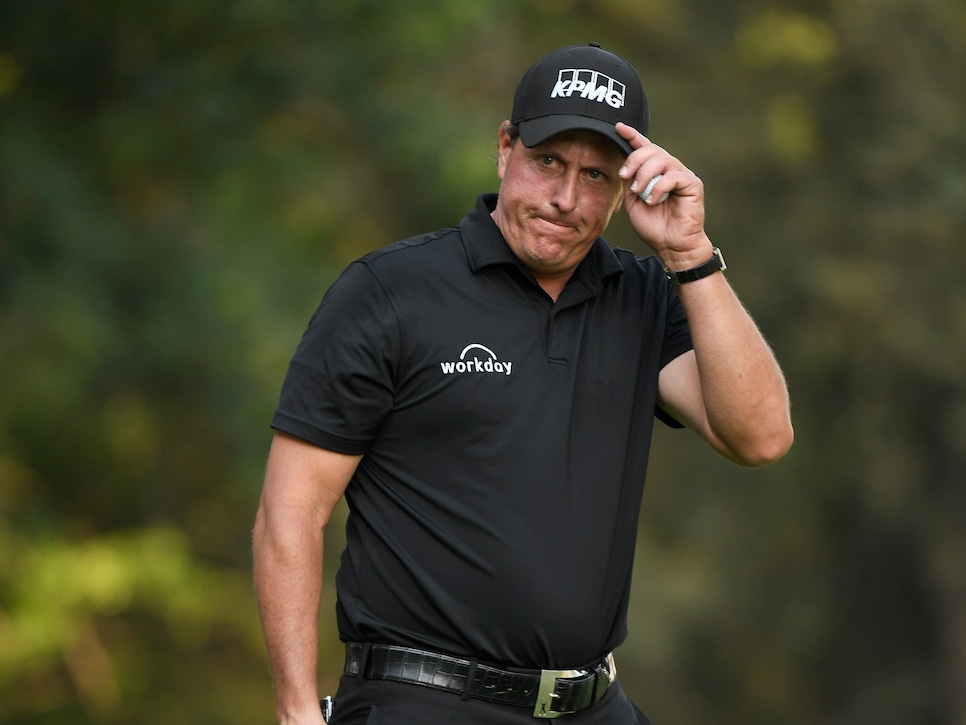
594, 45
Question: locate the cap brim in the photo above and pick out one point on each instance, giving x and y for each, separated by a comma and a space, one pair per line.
537, 130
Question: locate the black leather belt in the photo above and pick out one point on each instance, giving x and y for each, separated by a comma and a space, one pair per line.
549, 693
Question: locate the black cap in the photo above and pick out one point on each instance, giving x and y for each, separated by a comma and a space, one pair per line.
579, 87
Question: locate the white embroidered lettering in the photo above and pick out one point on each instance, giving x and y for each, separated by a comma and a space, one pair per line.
476, 364
561, 90
589, 84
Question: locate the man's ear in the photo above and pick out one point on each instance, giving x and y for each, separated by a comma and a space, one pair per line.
504, 144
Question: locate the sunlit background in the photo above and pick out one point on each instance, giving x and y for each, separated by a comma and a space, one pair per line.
179, 183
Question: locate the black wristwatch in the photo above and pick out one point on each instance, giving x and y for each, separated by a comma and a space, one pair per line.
715, 264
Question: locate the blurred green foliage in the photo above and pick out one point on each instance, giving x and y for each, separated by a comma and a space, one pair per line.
179, 183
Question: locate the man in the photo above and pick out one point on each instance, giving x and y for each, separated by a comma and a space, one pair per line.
484, 397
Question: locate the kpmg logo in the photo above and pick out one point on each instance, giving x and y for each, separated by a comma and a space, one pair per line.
476, 358
590, 84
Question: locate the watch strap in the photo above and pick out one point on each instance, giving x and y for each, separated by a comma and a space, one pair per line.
715, 264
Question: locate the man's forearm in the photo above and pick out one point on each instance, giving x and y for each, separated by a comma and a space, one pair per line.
744, 390
303, 485
288, 585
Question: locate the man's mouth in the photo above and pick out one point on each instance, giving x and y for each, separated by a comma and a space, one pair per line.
555, 222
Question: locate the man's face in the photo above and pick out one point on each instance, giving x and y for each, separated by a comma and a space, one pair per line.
556, 199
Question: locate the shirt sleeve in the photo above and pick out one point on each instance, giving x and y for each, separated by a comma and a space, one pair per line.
339, 384
677, 333
677, 341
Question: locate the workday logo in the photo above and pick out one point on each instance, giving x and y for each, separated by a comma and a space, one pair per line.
476, 358
590, 84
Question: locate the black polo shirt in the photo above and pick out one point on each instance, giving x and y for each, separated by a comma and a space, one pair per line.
506, 439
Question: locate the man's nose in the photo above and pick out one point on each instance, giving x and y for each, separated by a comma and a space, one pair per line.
565, 192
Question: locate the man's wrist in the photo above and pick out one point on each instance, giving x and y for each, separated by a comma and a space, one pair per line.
682, 276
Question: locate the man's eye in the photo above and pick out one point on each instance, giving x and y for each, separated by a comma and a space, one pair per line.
547, 160
595, 174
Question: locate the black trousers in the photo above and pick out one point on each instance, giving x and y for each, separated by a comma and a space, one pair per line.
382, 702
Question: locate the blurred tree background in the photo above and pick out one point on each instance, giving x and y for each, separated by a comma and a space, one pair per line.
180, 182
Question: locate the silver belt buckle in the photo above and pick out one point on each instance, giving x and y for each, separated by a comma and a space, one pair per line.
547, 689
